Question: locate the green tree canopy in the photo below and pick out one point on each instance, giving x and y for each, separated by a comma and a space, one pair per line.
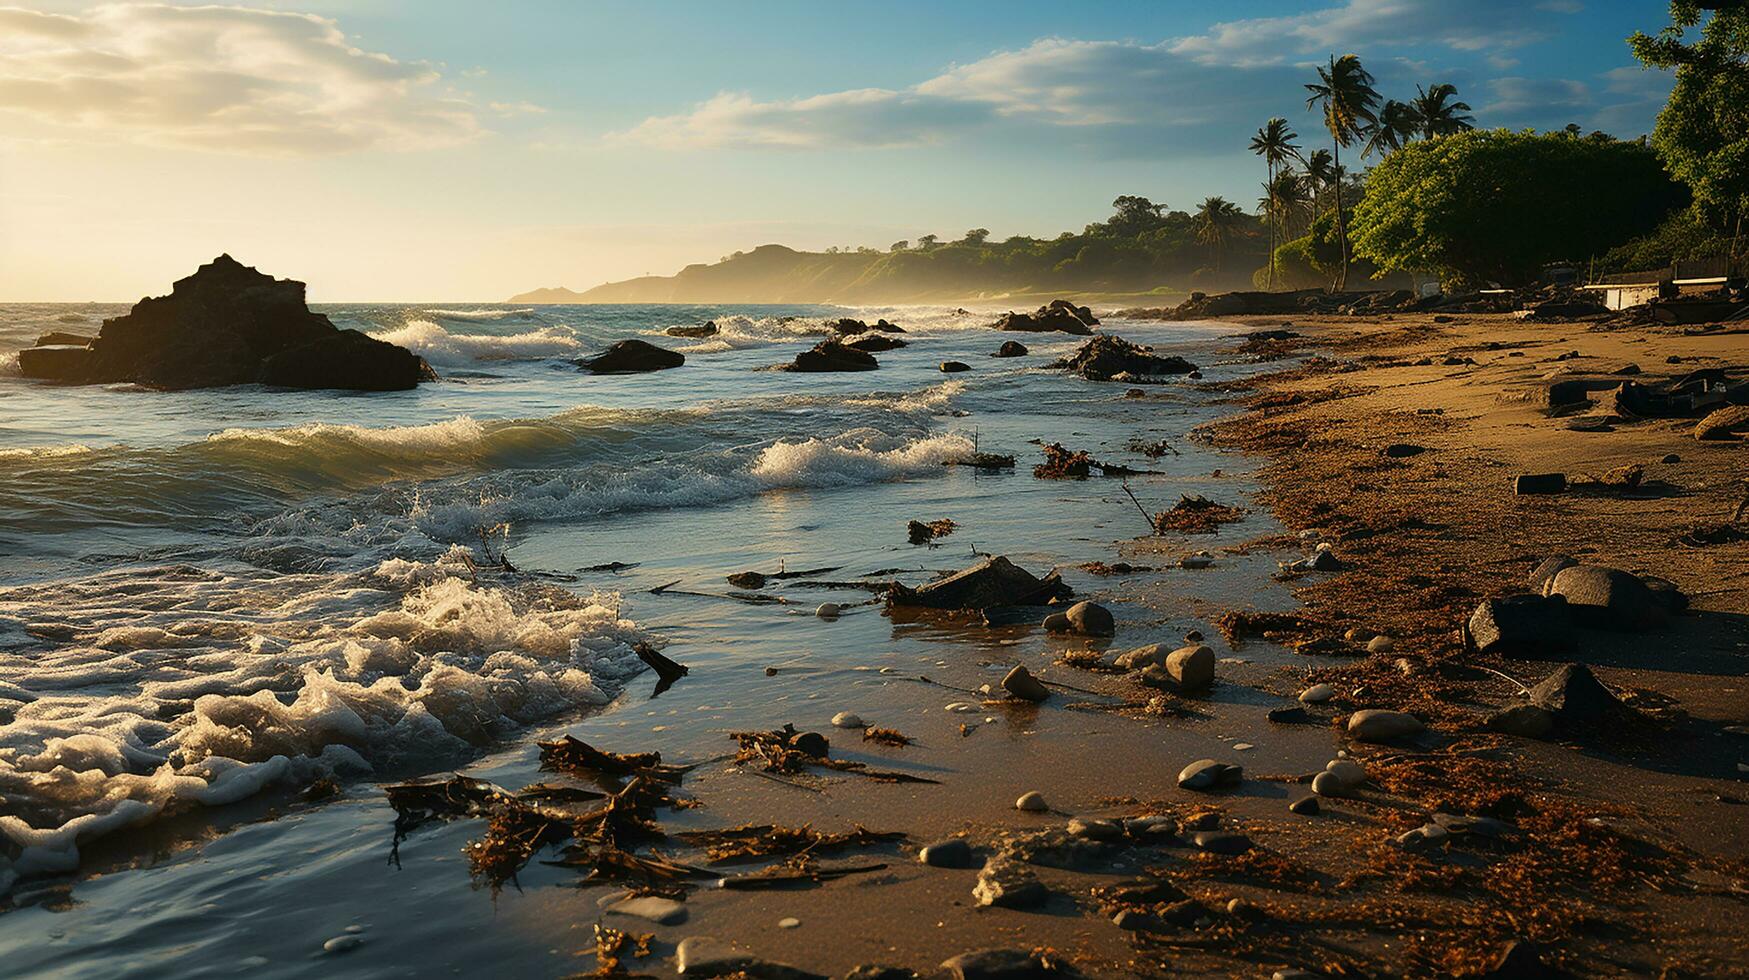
1498, 205
1703, 132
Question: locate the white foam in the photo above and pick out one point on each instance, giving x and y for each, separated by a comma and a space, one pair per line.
444, 348
480, 314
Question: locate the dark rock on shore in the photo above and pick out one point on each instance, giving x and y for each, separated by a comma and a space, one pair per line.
830, 355
1011, 348
1577, 698
632, 357
1609, 598
1109, 358
228, 324
1519, 625
1060, 316
1003, 964
995, 581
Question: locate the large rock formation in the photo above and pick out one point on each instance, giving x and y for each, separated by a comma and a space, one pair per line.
1109, 358
227, 325
1061, 315
632, 356
829, 355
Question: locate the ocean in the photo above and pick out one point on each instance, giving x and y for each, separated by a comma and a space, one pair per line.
212, 600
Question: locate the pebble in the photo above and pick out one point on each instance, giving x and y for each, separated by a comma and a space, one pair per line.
789, 923
343, 944
1358, 634
1671, 458
1056, 623
828, 610
663, 911
1154, 654
1380, 644
1032, 802
1194, 636
1008, 884
1350, 772
847, 719
1305, 806
771, 671
1329, 784
1020, 683
1317, 694
1151, 826
1204, 774
1239, 908
1200, 559
1243, 746
963, 707
1220, 842
1192, 667
947, 854
1095, 828
1380, 725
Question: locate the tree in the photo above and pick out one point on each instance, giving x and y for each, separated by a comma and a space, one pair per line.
1703, 131
1320, 171
927, 242
1131, 215
1438, 115
1397, 123
1215, 220
1345, 95
1275, 144
977, 236
899, 246
1285, 200
1498, 206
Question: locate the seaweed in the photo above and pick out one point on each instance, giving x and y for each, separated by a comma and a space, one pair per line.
786, 750
1195, 515
885, 736
919, 532
771, 840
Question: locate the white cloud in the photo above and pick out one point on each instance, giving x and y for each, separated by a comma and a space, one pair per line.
863, 118
1465, 25
222, 78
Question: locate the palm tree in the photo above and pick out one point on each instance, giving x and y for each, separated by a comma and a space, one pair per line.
1285, 200
1438, 116
1320, 171
1397, 123
1215, 219
1344, 93
1275, 144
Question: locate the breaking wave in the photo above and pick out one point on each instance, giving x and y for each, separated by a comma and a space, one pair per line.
480, 314
445, 349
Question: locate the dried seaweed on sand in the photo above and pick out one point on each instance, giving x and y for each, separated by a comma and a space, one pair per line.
786, 750
1195, 515
772, 840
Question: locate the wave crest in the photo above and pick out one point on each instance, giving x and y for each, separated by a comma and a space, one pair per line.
446, 349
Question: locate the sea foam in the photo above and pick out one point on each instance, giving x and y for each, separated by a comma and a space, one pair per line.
450, 349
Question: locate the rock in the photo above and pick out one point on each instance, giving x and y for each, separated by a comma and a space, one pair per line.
1380, 644
1153, 828
1194, 636
1294, 715
1380, 725
830, 356
1060, 316
1527, 720
632, 357
828, 610
342, 944
1575, 696
1011, 348
1000, 964
1147, 891
1329, 784
948, 854
62, 338
1031, 802
1010, 885
228, 324
1208, 774
848, 719
1192, 667
1305, 806
1317, 694
810, 743
1221, 842
1539, 483
994, 581
1725, 423
1608, 598
1351, 773
1094, 828
662, 911
1519, 625
873, 971
1403, 450
1152, 655
707, 956
1020, 683
1454, 823
747, 580
709, 329
1136, 920
875, 343
1547, 569
954, 367
1105, 358
1090, 619
1055, 623
1670, 459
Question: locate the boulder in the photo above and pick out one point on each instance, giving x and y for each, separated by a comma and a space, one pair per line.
1192, 667
1576, 697
1104, 358
1528, 720
62, 338
1519, 625
228, 324
1380, 725
632, 357
874, 343
1090, 619
1011, 348
1608, 598
1060, 316
830, 355
1547, 569
1020, 683
954, 367
1207, 774
994, 581
1729, 422
707, 329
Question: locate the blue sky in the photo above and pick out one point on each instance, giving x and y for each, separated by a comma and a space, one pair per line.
392, 149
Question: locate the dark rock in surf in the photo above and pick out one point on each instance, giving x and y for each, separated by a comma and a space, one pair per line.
875, 343
830, 355
1011, 348
228, 324
1060, 316
995, 581
632, 357
61, 338
1109, 358
708, 329
954, 367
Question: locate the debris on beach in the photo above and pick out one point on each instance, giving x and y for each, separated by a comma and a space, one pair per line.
667, 671
983, 461
1114, 568
787, 751
773, 840
1108, 358
920, 532
885, 736
1066, 464
993, 581
1195, 515
758, 580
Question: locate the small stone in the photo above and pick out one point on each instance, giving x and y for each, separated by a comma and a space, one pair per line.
707, 956
1032, 802
1008, 884
1358, 634
1329, 784
1154, 826
1350, 772
1206, 774
1221, 842
954, 367
828, 610
1149, 891
1201, 559
1317, 694
1194, 636
1193, 668
1152, 655
1381, 725
874, 971
947, 854
1295, 715
1095, 828
1380, 644
661, 911
343, 944
1241, 909
1020, 683
1305, 806
1091, 619
1056, 623
847, 719
1135, 920
1206, 820
771, 671
1670, 459
789, 923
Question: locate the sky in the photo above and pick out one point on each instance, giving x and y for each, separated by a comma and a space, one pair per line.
426, 150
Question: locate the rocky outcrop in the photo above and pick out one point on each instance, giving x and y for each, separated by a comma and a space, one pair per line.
228, 324
707, 329
632, 357
847, 327
993, 582
875, 343
1060, 316
1011, 348
830, 355
1109, 358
